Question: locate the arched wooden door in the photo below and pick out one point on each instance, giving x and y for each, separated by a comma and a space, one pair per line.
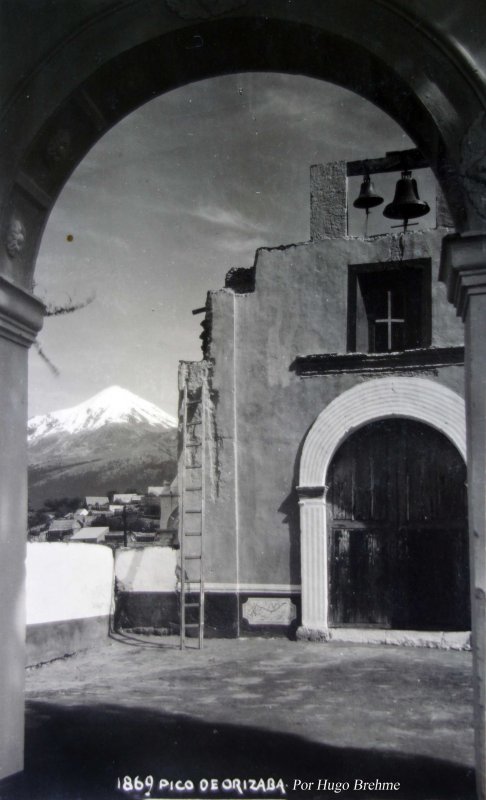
397, 523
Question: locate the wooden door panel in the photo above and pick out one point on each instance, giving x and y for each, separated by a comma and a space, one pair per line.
398, 529
359, 577
434, 579
435, 476
359, 490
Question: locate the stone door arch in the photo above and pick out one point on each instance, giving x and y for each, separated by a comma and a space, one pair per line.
418, 399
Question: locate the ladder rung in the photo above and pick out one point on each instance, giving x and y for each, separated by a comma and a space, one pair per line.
194, 446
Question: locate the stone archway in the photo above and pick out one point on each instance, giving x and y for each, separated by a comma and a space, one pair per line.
109, 63
71, 72
412, 398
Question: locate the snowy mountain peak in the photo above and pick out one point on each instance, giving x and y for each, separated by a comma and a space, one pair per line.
113, 405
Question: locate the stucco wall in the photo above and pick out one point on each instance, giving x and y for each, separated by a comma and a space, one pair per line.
69, 595
299, 307
146, 584
68, 581
221, 562
146, 569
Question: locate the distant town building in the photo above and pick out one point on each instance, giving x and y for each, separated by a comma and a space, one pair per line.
97, 503
127, 498
143, 536
114, 537
169, 505
91, 535
62, 529
80, 513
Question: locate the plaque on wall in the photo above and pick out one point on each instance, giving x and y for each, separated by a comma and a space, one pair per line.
269, 611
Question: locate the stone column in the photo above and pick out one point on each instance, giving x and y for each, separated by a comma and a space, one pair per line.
463, 269
314, 567
20, 319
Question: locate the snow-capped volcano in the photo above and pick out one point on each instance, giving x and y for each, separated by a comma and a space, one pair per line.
111, 441
111, 406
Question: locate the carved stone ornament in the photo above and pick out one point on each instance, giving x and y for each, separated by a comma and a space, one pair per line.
59, 147
202, 9
269, 611
15, 239
473, 165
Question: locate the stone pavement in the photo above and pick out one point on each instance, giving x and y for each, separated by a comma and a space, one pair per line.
260, 709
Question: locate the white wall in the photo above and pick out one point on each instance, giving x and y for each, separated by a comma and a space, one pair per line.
147, 569
68, 581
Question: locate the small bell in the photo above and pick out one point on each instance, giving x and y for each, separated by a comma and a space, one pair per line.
367, 197
406, 203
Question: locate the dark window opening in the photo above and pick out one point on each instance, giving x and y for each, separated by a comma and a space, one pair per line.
389, 307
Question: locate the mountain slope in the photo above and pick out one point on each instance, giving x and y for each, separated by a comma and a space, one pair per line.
112, 405
114, 440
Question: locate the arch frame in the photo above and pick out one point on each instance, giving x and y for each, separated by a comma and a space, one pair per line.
419, 399
109, 63
49, 58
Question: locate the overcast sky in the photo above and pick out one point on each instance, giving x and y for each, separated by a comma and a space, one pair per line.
175, 195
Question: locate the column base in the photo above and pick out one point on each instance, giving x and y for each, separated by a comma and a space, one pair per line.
441, 640
313, 634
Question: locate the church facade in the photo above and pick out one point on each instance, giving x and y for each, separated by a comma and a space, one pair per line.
332, 482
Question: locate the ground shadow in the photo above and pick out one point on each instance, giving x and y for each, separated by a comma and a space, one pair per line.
78, 753
137, 640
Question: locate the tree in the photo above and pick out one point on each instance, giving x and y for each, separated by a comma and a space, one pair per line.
62, 505
101, 521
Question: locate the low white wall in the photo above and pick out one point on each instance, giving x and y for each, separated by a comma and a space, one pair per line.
68, 581
147, 569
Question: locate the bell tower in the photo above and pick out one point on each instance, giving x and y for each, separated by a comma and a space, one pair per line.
330, 201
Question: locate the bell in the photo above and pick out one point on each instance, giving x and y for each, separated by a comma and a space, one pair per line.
406, 203
367, 197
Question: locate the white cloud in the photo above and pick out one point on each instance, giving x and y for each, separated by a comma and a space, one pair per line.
227, 218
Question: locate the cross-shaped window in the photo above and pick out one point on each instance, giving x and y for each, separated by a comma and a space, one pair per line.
389, 307
389, 337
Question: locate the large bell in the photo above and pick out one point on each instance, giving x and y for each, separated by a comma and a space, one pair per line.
367, 197
406, 203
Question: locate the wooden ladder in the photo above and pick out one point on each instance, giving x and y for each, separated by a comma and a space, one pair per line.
191, 518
